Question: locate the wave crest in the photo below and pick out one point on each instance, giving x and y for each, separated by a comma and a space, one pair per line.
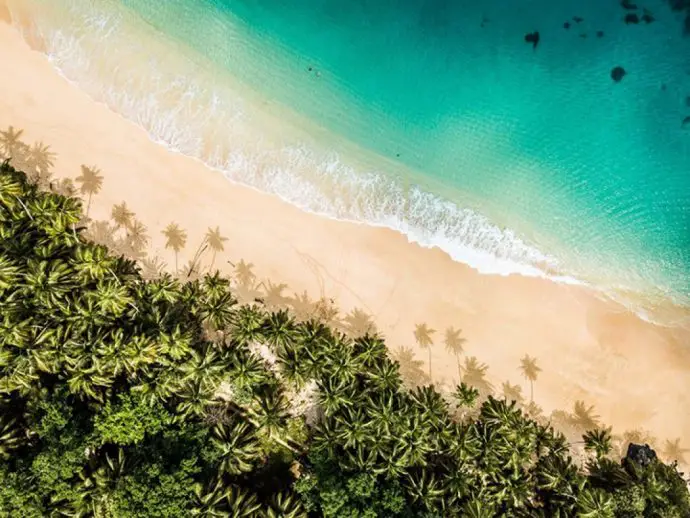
187, 108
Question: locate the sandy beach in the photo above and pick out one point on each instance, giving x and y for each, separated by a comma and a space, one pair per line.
635, 374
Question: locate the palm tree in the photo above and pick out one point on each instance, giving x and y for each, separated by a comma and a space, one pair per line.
269, 413
215, 242
466, 395
530, 370
285, 505
10, 139
422, 335
247, 325
385, 375
121, 215
238, 446
454, 344
279, 330
210, 501
595, 503
91, 182
176, 238
10, 436
598, 440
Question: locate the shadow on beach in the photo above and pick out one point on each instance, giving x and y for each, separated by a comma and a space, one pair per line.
126, 235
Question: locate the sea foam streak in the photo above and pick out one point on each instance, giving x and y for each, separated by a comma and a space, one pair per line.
192, 111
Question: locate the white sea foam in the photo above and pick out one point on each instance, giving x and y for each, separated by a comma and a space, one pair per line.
183, 108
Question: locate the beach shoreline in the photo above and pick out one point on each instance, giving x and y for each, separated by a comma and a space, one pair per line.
634, 373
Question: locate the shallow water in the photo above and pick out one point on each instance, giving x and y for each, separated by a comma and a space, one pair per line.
431, 117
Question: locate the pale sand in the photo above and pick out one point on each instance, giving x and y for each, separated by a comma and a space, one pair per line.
635, 374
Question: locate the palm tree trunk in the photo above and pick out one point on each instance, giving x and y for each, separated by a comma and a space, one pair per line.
176, 268
457, 358
88, 205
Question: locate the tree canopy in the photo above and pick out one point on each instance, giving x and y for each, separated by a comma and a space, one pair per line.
121, 396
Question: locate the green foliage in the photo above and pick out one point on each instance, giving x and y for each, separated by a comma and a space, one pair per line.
330, 492
123, 397
129, 420
18, 496
156, 490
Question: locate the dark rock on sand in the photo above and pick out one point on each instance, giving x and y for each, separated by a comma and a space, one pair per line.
627, 4
600, 34
648, 17
687, 100
566, 25
685, 123
642, 455
533, 38
617, 73
631, 18
577, 19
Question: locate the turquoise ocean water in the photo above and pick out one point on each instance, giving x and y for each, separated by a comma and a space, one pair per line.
433, 117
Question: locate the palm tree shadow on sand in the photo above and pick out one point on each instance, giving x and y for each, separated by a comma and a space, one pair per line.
36, 160
474, 375
175, 240
90, 183
358, 323
411, 369
422, 335
125, 235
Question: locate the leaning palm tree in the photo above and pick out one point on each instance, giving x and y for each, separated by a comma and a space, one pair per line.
91, 182
422, 335
530, 370
454, 344
176, 238
215, 242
